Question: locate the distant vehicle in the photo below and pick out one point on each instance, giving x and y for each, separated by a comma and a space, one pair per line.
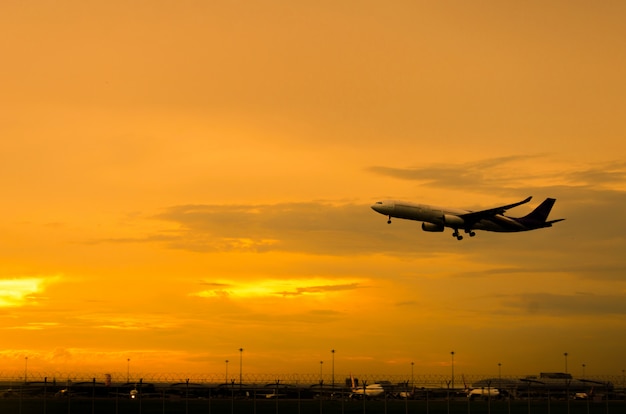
435, 219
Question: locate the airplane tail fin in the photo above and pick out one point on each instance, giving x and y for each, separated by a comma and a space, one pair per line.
539, 215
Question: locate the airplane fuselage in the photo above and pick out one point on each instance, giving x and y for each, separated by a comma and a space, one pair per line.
447, 217
483, 393
373, 390
435, 219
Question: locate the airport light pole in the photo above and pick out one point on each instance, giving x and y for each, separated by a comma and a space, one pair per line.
127, 369
452, 379
240, 367
500, 375
567, 381
332, 351
584, 365
321, 373
25, 369
412, 377
226, 377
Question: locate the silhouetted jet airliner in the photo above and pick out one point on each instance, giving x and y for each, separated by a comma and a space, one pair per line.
437, 218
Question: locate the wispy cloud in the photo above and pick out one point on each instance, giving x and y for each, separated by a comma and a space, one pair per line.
477, 174
270, 288
606, 174
503, 173
579, 304
35, 326
319, 289
140, 321
314, 228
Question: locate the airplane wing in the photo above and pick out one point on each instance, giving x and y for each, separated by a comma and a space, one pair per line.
476, 216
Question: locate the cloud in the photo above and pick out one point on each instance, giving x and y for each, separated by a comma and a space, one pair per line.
136, 322
22, 291
493, 172
579, 304
606, 174
35, 326
313, 227
505, 173
588, 245
271, 288
585, 197
319, 289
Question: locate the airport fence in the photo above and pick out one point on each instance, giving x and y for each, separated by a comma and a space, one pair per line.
339, 379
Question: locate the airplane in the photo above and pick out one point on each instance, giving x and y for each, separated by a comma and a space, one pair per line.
482, 391
488, 392
369, 391
435, 219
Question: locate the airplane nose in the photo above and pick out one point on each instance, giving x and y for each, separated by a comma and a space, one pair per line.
379, 207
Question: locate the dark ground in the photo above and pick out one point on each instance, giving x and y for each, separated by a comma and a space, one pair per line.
309, 406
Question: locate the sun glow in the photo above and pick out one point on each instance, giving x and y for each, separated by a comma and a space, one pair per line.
19, 292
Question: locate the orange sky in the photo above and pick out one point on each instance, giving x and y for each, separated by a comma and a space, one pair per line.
182, 178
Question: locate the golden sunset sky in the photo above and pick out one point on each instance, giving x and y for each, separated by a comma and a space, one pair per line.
181, 179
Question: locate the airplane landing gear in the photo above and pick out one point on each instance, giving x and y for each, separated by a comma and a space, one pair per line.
457, 235
470, 232
389, 220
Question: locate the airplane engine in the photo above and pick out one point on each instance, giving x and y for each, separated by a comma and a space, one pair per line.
453, 221
432, 227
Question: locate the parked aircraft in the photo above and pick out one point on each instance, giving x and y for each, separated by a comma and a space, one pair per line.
435, 219
369, 391
482, 391
488, 392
